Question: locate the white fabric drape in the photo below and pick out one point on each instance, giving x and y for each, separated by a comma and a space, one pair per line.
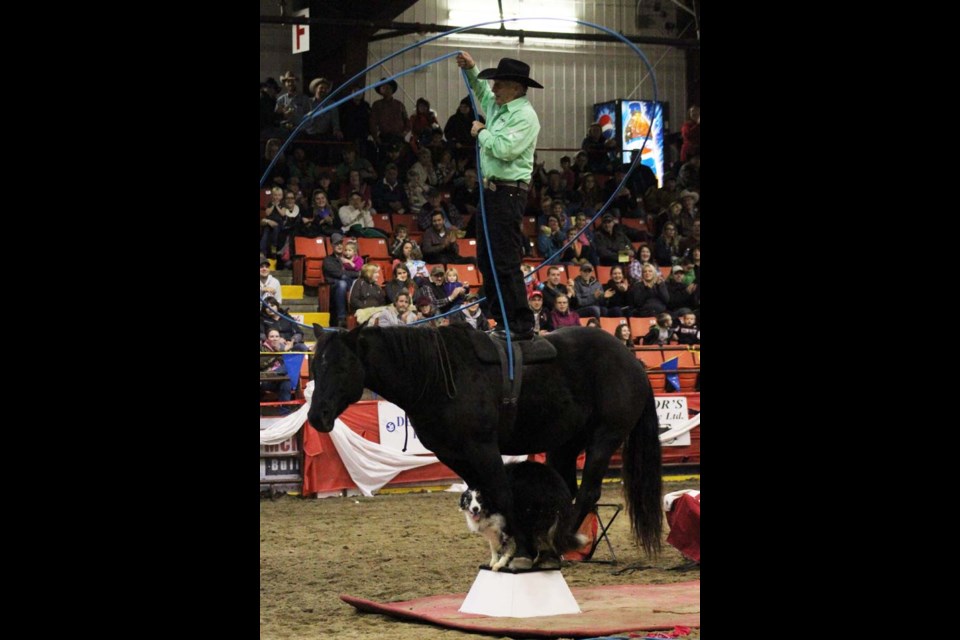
681, 429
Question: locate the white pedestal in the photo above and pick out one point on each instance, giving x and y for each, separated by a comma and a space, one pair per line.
519, 595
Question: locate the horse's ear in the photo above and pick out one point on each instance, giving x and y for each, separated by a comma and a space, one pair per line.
321, 333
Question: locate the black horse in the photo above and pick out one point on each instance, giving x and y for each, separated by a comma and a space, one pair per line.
594, 396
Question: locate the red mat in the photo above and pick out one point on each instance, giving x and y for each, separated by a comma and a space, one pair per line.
606, 610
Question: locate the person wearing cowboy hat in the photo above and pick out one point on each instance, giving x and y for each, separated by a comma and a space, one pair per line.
291, 105
325, 127
389, 123
507, 145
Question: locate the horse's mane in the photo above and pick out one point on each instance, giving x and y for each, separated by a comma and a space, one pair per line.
425, 358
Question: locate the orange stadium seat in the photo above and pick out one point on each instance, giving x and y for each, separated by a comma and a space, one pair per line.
603, 274
610, 324
408, 219
382, 221
469, 274
373, 248
640, 327
468, 247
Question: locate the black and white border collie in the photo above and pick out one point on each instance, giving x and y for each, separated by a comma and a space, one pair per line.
542, 503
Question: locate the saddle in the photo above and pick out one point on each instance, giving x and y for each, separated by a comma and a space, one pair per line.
492, 350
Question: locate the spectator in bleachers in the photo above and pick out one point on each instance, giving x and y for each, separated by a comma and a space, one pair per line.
271, 318
553, 289
354, 183
400, 236
318, 220
325, 128
667, 250
412, 256
583, 220
352, 162
568, 177
689, 176
389, 196
303, 169
399, 155
435, 202
457, 129
690, 130
471, 315
597, 149
691, 239
671, 215
555, 187
648, 296
291, 105
398, 313
340, 278
269, 118
401, 282
580, 167
662, 332
433, 289
355, 122
389, 122
690, 211
589, 294
622, 333
416, 191
453, 288
425, 169
272, 367
530, 280
578, 253
689, 330
550, 238
589, 196
327, 183
427, 308
423, 121
366, 295
615, 292
356, 219
447, 168
558, 209
269, 286
440, 243
593, 322
658, 199
542, 325
280, 173
681, 293
466, 197
611, 243
562, 316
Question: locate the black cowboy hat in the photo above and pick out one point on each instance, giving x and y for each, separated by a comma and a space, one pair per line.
392, 84
510, 69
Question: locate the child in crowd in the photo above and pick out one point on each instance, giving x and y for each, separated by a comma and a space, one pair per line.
689, 330
452, 282
662, 332
351, 261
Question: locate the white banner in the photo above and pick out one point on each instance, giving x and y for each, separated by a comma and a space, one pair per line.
396, 432
301, 36
672, 412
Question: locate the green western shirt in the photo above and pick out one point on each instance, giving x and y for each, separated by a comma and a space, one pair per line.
510, 138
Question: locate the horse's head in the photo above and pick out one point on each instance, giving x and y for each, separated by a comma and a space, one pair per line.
337, 376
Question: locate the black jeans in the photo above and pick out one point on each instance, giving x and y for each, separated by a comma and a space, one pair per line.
505, 208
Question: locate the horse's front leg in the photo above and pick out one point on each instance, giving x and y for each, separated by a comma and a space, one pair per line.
498, 494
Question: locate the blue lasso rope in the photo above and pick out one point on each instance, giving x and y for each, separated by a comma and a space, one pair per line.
323, 107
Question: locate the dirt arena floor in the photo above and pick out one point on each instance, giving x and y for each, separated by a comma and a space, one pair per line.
400, 547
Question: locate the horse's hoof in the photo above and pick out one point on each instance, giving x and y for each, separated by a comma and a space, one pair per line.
549, 563
521, 563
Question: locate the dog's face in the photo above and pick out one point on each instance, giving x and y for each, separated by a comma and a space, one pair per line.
471, 503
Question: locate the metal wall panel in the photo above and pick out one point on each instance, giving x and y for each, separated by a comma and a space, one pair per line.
575, 74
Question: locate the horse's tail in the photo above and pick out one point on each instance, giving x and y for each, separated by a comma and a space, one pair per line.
642, 478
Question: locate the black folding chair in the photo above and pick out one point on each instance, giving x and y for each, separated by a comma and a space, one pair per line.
602, 532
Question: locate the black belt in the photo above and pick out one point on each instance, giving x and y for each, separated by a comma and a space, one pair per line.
509, 184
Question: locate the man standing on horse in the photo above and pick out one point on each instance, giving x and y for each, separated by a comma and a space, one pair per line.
507, 143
